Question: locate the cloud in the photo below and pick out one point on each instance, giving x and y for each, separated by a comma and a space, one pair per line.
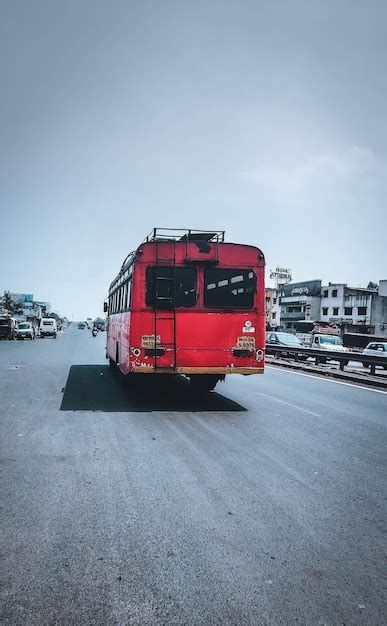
351, 172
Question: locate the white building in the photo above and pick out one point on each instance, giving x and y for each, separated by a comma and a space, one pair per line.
379, 310
273, 308
351, 306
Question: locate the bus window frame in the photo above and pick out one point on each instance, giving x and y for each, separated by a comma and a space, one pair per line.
150, 295
120, 297
209, 307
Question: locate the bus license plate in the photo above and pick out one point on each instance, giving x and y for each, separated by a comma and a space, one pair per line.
246, 343
148, 341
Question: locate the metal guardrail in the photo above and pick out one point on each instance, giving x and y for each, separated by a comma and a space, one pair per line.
321, 356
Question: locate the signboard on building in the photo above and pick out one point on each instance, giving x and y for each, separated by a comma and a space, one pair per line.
308, 288
341, 320
326, 330
21, 298
281, 275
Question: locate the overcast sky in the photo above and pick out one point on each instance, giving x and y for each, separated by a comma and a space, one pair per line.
263, 118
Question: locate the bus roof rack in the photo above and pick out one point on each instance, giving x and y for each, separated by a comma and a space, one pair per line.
185, 234
128, 259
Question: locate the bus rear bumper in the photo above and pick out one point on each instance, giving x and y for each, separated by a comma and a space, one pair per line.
221, 371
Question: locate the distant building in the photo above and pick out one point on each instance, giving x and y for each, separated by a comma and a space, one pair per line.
355, 309
379, 310
46, 306
22, 298
269, 306
298, 302
30, 309
273, 308
348, 306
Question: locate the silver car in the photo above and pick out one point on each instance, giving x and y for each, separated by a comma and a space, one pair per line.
376, 348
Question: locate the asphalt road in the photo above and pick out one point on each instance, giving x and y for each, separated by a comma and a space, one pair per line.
263, 503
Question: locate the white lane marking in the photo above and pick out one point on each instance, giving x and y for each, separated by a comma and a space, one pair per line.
328, 380
295, 406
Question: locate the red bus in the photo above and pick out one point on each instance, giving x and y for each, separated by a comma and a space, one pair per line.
185, 302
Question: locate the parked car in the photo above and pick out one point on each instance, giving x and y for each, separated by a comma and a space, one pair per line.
48, 327
376, 348
82, 325
25, 330
284, 339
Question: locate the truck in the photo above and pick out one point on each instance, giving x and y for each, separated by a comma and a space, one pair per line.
7, 327
325, 338
330, 344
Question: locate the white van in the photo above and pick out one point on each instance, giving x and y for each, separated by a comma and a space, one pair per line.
48, 327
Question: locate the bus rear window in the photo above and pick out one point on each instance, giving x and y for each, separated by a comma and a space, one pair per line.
170, 287
229, 288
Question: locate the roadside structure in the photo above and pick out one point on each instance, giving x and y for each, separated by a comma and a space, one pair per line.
349, 306
30, 310
299, 302
295, 307
273, 308
355, 309
379, 310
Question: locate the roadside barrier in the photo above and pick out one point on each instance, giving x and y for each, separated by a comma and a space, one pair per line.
322, 356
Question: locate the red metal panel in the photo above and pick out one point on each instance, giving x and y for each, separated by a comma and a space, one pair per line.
202, 339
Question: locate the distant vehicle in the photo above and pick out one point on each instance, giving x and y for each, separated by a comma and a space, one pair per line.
376, 348
283, 339
330, 343
48, 327
25, 330
274, 338
99, 324
94, 332
81, 325
7, 327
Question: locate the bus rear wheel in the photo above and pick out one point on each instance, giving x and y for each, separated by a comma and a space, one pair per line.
203, 382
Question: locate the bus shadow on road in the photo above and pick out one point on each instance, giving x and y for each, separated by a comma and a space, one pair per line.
97, 388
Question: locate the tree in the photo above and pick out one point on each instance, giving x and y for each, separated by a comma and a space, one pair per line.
12, 307
372, 285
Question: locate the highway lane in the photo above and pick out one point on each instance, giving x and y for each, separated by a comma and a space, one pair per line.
260, 504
